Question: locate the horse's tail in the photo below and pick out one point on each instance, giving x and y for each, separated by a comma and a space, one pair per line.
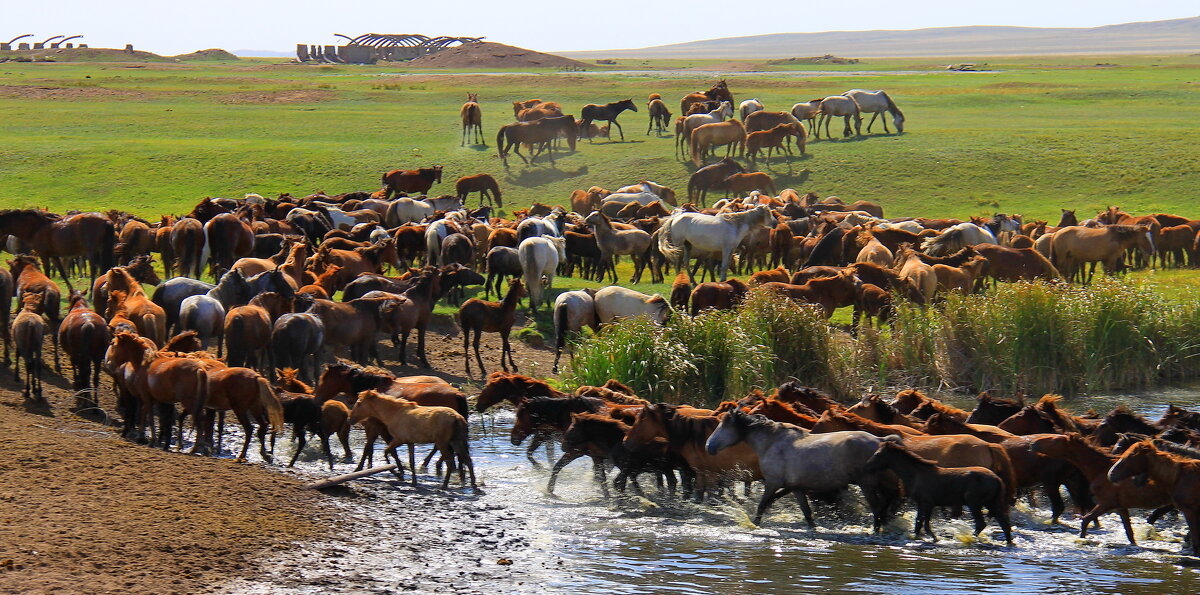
892, 106
668, 250
500, 142
201, 400
205, 253
1003, 467
270, 404
532, 277
107, 246
694, 145
560, 329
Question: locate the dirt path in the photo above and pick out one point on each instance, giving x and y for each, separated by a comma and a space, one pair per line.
82, 510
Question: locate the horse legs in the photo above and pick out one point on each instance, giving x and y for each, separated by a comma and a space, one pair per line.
507, 349
421, 347
566, 459
619, 129
412, 463
248, 429
534, 442
478, 357
1124, 512
601, 475
771, 493
299, 434
872, 122
466, 333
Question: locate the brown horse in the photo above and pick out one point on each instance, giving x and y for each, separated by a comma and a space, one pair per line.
829, 293
686, 436
729, 133
472, 121
840, 421
411, 181
410, 310
1072, 247
28, 329
718, 92
711, 177
367, 259
55, 237
1016, 264
84, 337
660, 116
347, 379
325, 284
1111, 494
29, 279
248, 329
142, 269
251, 399
227, 238
717, 295
411, 424
1178, 476
792, 413
129, 300
477, 317
484, 184
538, 133
745, 183
152, 379
187, 245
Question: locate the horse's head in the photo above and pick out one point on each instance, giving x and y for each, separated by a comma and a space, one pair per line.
1134, 463
730, 431
334, 380
364, 407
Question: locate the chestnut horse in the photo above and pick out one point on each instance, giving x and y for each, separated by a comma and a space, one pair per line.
54, 237
152, 379
476, 316
29, 279
484, 184
472, 122
1178, 476
84, 336
28, 329
412, 181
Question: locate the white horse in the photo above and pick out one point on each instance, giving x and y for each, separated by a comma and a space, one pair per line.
532, 227
750, 106
807, 112
694, 121
404, 209
875, 103
434, 234
205, 313
910, 226
615, 303
573, 310
666, 194
957, 237
539, 258
839, 106
684, 232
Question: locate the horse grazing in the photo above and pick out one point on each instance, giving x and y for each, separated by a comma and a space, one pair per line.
28, 329
717, 295
412, 424
607, 112
84, 336
538, 134
412, 181
711, 177
472, 122
773, 138
745, 183
660, 116
1178, 476
929, 485
718, 92
484, 184
719, 234
477, 316
793, 460
875, 103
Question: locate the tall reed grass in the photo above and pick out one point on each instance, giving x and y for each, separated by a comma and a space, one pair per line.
1031, 337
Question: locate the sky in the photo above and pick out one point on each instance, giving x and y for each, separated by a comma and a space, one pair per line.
172, 27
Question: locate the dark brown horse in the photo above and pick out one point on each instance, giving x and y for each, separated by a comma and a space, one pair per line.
29, 279
228, 238
28, 329
711, 177
411, 181
477, 316
55, 237
484, 184
607, 112
84, 336
718, 92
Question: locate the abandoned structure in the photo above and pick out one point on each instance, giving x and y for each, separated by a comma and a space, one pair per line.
372, 47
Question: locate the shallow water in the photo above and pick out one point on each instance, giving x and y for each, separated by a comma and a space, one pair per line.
576, 541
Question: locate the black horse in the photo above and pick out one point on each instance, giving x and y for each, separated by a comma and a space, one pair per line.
607, 112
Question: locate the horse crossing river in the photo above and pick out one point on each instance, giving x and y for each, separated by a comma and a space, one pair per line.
514, 538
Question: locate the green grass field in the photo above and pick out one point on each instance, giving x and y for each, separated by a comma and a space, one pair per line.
1037, 135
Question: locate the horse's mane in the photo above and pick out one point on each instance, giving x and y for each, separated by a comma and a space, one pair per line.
174, 343
361, 378
1173, 455
44, 215
986, 398
1125, 412
1124, 231
934, 406
1193, 454
948, 420
908, 454
856, 420
1048, 405
887, 408
799, 392
559, 409
615, 385
599, 419
946, 238
524, 384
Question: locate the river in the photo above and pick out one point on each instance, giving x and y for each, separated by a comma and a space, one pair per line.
514, 538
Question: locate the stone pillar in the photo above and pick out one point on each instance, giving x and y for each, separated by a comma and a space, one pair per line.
302, 52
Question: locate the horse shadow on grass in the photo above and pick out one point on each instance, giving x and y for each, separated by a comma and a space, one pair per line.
530, 177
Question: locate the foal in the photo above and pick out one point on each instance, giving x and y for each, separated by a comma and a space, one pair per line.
27, 332
478, 316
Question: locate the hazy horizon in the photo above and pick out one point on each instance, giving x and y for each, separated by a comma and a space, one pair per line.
277, 26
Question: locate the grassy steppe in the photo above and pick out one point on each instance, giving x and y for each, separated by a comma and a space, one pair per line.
1033, 137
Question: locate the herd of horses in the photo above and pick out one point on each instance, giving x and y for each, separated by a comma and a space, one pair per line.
706, 122
797, 440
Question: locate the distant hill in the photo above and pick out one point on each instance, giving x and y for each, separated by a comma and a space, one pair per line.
211, 54
263, 54
1172, 36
